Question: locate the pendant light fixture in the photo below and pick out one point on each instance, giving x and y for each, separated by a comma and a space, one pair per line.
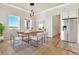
32, 11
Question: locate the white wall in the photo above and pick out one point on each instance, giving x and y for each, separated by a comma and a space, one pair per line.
5, 11
47, 20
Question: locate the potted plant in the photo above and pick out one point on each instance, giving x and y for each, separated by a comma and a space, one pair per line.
1, 32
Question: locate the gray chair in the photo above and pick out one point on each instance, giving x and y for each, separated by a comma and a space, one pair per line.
15, 40
45, 36
37, 39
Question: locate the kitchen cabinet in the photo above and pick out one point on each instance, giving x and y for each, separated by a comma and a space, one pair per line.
69, 13
73, 13
64, 13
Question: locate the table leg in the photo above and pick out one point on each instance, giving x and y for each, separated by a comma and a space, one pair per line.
43, 40
22, 37
28, 38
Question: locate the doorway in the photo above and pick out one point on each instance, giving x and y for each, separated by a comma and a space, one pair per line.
56, 25
56, 29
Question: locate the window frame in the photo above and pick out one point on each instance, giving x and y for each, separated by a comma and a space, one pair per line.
12, 27
28, 24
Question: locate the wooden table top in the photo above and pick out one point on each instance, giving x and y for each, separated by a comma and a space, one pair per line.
30, 32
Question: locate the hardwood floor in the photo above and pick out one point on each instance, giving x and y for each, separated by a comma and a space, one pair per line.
49, 48
46, 50
69, 46
52, 48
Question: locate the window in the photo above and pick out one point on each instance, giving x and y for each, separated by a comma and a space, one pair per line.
28, 24
13, 21
41, 25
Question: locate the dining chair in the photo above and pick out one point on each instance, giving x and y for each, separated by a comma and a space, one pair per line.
37, 39
15, 40
45, 36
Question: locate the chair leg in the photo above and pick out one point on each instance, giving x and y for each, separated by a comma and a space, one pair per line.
44, 39
22, 37
13, 44
37, 42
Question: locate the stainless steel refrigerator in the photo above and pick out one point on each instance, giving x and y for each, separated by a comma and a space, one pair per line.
70, 29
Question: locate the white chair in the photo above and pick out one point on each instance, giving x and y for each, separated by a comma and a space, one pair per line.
37, 39
45, 35
15, 40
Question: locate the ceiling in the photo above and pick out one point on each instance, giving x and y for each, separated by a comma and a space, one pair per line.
38, 7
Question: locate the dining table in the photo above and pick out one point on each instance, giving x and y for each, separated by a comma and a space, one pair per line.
28, 34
